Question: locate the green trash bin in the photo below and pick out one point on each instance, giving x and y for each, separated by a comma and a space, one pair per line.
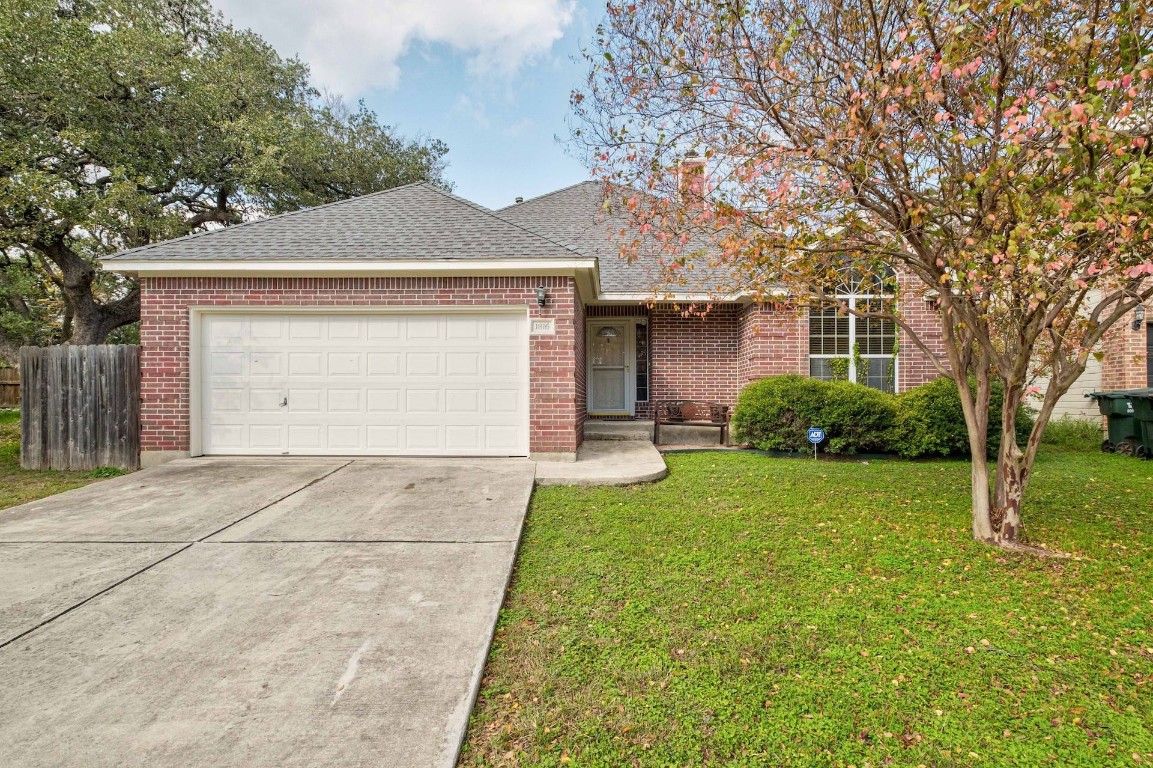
1124, 428
1143, 411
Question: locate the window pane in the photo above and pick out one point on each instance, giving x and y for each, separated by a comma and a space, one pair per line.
875, 336
642, 362
819, 368
878, 373
828, 332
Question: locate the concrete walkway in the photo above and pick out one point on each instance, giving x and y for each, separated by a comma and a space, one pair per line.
606, 462
256, 613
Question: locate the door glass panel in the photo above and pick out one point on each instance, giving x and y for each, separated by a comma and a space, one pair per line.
610, 345
608, 390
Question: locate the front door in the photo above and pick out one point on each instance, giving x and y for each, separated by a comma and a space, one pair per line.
611, 356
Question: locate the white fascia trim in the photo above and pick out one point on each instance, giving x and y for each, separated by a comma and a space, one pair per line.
347, 267
671, 297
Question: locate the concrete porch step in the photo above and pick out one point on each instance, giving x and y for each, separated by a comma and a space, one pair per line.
671, 434
596, 429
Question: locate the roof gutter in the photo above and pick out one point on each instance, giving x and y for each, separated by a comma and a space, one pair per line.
347, 267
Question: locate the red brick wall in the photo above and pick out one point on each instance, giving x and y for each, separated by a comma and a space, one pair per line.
913, 365
1124, 363
556, 397
694, 357
774, 340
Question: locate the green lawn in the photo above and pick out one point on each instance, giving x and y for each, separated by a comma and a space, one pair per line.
20, 485
751, 611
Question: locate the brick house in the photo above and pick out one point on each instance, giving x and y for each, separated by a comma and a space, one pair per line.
414, 322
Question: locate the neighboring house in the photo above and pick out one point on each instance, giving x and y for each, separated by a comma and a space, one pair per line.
414, 322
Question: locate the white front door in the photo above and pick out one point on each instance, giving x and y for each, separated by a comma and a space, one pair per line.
419, 384
611, 358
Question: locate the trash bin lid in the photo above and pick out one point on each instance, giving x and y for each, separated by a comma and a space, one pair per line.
1118, 394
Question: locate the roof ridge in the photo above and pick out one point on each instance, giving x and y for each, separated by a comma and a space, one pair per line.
234, 227
503, 220
538, 198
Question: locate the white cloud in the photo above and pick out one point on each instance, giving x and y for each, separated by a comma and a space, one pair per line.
355, 45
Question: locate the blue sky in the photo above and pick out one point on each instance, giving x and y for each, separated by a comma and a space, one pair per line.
490, 78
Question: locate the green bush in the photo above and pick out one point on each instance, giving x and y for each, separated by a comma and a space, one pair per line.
774, 414
1077, 434
930, 422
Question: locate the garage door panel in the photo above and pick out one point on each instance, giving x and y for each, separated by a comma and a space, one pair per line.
422, 437
461, 401
502, 400
383, 400
266, 436
304, 328
365, 384
265, 364
304, 437
265, 400
502, 363
461, 363
383, 363
304, 364
422, 363
424, 401
422, 328
504, 328
344, 400
304, 400
383, 328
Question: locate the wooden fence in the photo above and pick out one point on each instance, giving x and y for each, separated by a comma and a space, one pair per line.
81, 407
9, 388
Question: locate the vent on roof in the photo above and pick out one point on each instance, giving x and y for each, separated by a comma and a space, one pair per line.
519, 199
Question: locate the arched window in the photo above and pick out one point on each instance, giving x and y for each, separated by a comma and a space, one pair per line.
845, 347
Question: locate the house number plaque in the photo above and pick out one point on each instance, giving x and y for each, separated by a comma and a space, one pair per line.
544, 327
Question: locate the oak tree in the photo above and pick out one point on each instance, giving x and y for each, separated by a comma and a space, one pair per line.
125, 122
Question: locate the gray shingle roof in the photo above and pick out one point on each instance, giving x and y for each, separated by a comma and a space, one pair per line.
416, 221
577, 218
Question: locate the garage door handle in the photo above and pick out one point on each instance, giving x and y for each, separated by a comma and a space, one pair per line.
284, 402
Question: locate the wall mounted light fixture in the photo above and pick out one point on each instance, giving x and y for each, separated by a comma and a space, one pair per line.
541, 296
1138, 317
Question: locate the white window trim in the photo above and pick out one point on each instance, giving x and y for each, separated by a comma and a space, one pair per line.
851, 300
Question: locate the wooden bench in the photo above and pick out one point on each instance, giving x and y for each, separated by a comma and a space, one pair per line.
690, 413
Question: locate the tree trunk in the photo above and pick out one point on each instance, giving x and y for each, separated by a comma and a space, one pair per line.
91, 320
982, 519
1012, 473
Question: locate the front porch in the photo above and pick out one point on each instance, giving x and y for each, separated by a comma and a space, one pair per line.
672, 435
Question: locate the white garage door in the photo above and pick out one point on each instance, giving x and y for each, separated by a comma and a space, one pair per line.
389, 384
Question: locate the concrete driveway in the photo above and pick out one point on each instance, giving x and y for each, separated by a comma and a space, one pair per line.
255, 612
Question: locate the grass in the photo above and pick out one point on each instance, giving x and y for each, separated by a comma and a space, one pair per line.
17, 485
752, 611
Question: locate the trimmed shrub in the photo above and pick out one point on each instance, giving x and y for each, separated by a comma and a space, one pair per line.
930, 422
774, 414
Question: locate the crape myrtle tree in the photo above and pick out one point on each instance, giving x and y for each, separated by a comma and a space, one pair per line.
126, 122
998, 151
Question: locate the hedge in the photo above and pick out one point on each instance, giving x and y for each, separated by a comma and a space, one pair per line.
931, 422
774, 414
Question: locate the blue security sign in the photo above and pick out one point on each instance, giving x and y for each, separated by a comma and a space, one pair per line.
816, 435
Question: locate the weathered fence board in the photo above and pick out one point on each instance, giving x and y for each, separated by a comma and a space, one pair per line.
81, 407
9, 388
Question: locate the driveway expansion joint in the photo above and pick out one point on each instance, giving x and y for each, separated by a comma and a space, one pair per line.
92, 597
273, 503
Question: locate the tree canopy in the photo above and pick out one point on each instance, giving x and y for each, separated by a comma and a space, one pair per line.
126, 122
999, 151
